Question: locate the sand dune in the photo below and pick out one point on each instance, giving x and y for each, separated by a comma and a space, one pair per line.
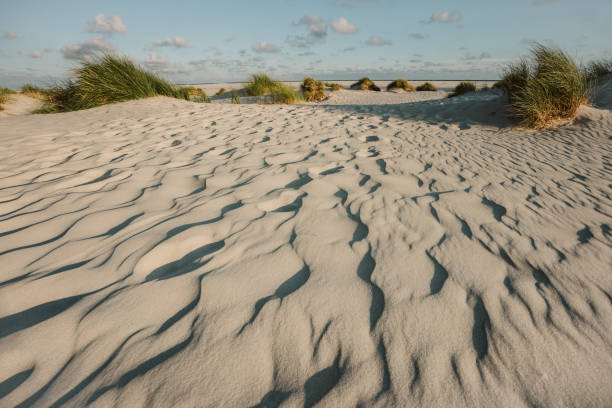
165, 253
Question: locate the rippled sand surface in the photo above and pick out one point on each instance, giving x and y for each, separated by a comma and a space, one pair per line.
162, 253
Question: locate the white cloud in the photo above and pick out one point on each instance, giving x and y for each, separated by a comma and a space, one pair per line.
342, 26
10, 35
112, 24
445, 17
35, 54
159, 63
177, 42
263, 46
377, 41
315, 24
417, 36
88, 48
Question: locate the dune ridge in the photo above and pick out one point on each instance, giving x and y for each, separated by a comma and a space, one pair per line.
165, 253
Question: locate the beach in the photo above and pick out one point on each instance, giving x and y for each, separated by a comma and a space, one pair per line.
376, 249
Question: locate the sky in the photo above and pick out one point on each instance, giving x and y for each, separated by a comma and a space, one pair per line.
214, 41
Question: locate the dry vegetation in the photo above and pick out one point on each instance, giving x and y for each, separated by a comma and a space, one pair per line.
400, 84
365, 84
313, 90
427, 86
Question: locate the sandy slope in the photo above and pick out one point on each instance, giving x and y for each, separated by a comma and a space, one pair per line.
19, 104
166, 253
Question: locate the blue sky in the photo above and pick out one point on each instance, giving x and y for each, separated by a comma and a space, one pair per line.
212, 41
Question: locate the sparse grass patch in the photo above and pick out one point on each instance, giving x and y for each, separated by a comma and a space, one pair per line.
548, 87
365, 84
34, 91
107, 79
285, 94
313, 90
193, 94
221, 91
336, 87
463, 88
427, 86
235, 97
400, 84
260, 84
4, 96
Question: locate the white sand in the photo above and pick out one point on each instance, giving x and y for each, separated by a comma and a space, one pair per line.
162, 253
19, 104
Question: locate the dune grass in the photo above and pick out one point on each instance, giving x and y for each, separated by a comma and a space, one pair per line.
597, 69
261, 84
235, 97
107, 79
194, 94
400, 84
427, 86
313, 90
4, 96
221, 92
285, 94
336, 87
463, 88
365, 84
34, 91
548, 87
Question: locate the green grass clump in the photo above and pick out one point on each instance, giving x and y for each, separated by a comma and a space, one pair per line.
463, 88
313, 90
427, 86
107, 79
221, 91
336, 87
235, 97
400, 84
548, 87
260, 84
191, 93
365, 84
285, 94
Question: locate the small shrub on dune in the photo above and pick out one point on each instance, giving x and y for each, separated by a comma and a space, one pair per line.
463, 88
194, 94
313, 90
336, 87
235, 97
107, 79
365, 84
549, 87
285, 94
427, 86
260, 84
400, 84
221, 91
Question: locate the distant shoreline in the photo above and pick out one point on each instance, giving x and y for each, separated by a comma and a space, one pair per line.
345, 80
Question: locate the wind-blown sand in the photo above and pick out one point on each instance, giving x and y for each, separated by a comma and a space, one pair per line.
162, 253
19, 104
